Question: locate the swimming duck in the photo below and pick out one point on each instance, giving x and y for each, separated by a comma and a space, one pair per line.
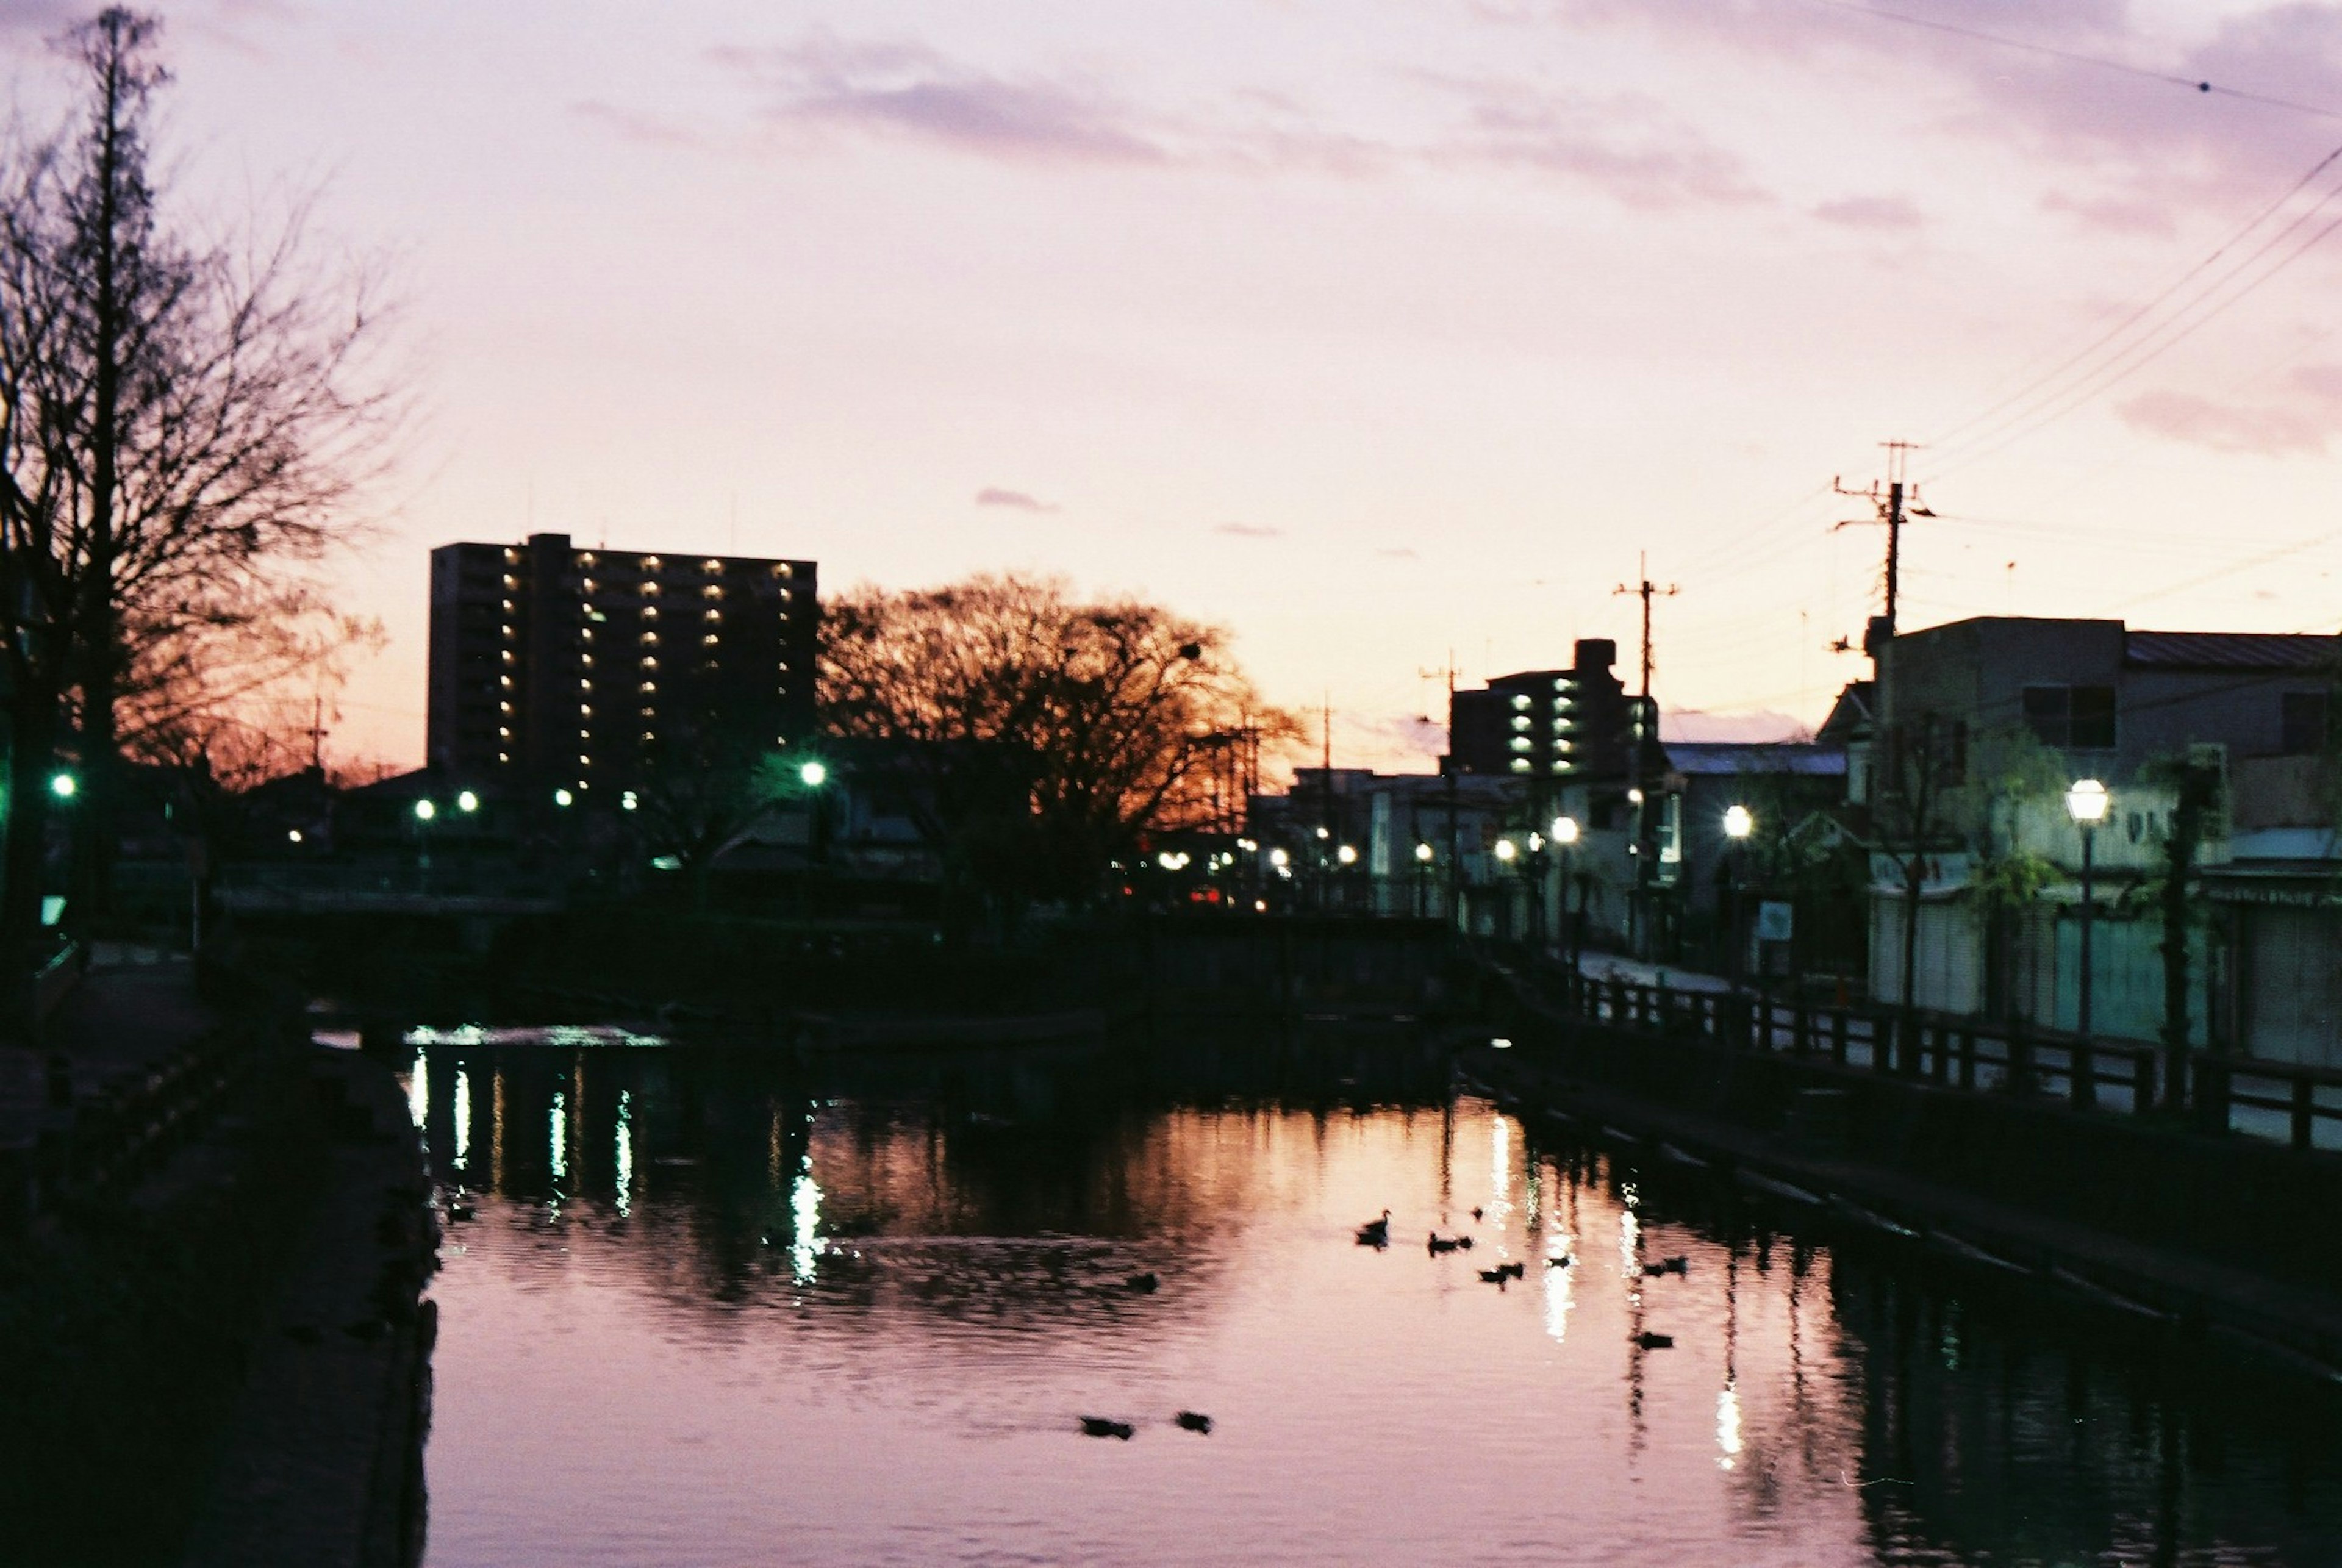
1100, 1426
1656, 1340
1438, 1243
1146, 1282
1191, 1421
1376, 1233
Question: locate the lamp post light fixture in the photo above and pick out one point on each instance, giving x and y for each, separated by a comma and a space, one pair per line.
813, 774
1565, 834
563, 798
1738, 823
2086, 803
467, 802
425, 809
1505, 850
1347, 854
64, 785
1423, 853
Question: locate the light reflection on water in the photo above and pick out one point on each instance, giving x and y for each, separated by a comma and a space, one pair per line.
791, 1324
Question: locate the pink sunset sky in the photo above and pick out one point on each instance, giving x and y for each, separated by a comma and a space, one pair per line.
1374, 331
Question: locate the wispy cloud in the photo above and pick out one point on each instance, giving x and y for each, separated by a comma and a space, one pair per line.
1398, 553
1249, 531
1629, 145
2302, 419
824, 83
1014, 500
635, 126
1879, 215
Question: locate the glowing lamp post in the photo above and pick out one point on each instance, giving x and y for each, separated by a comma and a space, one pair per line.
1738, 826
1565, 834
2086, 803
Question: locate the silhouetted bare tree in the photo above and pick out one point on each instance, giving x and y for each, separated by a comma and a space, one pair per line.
181, 422
1048, 733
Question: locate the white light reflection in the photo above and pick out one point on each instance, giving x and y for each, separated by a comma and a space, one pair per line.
1630, 1232
625, 1164
418, 1088
805, 1213
560, 1144
1560, 1297
463, 1117
1727, 1426
1500, 1169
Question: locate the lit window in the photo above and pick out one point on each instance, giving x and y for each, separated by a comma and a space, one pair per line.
585, 735
508, 656
503, 707
586, 660
650, 611
588, 584
511, 554
504, 679
503, 733
1521, 701
708, 640
584, 761
511, 581
507, 603
649, 639
781, 569
648, 735
585, 710
586, 557
650, 562
503, 756
1520, 720
1520, 764
784, 666
1520, 742
647, 686
711, 565
583, 686
650, 664
507, 632
711, 591
713, 615
650, 713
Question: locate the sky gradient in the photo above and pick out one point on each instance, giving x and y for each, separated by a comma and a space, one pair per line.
1373, 331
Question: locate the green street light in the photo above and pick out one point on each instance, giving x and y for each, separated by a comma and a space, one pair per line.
64, 785
467, 802
561, 797
425, 811
815, 775
1738, 822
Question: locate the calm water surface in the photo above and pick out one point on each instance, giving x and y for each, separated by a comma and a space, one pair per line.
712, 1311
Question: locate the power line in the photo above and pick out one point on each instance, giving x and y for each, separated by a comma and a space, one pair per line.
2075, 56
2091, 348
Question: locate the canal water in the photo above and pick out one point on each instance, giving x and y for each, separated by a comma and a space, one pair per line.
710, 1309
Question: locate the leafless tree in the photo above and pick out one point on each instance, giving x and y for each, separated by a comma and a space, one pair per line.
1046, 732
183, 423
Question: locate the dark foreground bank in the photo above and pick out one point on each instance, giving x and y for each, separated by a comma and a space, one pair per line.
209, 1287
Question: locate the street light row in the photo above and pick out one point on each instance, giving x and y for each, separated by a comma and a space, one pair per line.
812, 775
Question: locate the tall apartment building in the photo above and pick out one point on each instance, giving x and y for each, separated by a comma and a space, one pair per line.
555, 666
1572, 724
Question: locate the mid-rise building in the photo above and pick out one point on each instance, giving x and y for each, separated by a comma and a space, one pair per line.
1572, 724
559, 667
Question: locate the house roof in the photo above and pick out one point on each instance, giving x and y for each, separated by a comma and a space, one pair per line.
1850, 713
1712, 757
2229, 651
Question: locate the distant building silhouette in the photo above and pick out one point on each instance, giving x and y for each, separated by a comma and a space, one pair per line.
1572, 724
559, 667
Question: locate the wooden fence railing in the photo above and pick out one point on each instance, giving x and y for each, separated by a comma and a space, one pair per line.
2287, 1103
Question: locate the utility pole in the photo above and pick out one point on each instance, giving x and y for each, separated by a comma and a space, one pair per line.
1638, 794
317, 736
1889, 502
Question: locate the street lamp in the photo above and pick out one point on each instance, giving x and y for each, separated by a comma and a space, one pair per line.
1565, 834
813, 774
424, 809
64, 785
467, 802
561, 797
2086, 804
1738, 826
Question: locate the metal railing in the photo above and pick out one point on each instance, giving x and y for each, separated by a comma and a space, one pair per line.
2293, 1103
